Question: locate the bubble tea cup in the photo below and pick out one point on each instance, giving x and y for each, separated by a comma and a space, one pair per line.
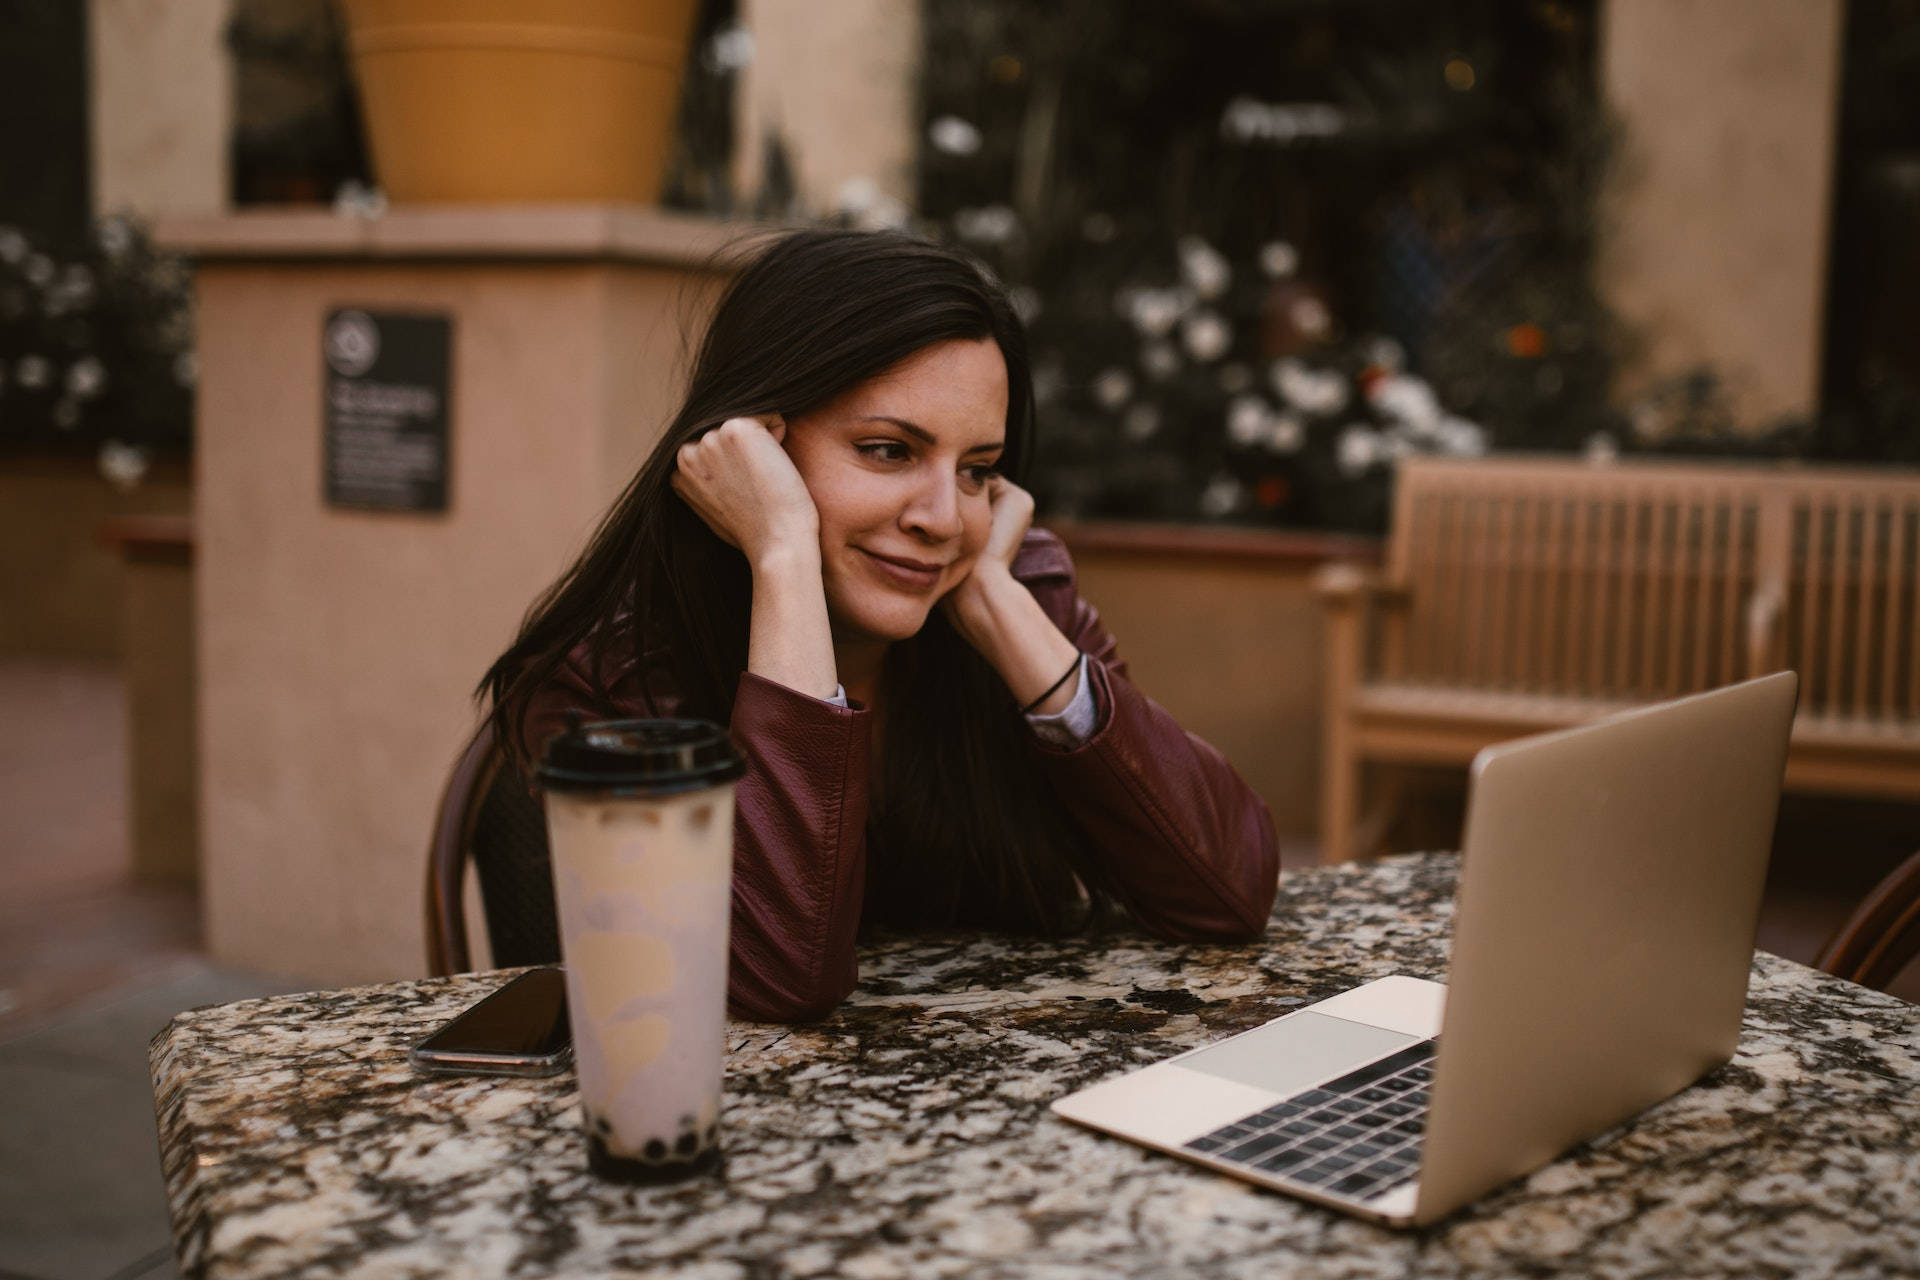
640, 825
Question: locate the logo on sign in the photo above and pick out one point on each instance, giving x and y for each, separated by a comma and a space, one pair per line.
352, 343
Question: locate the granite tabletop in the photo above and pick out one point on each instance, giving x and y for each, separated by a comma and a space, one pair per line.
908, 1134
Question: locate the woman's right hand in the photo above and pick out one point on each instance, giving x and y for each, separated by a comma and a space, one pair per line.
741, 482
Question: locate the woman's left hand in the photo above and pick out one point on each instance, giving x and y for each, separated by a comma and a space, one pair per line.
995, 613
1012, 515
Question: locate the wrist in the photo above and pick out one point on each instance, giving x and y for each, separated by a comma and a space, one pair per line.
785, 557
984, 597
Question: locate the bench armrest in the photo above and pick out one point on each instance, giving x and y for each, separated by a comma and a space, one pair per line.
1765, 610
1344, 584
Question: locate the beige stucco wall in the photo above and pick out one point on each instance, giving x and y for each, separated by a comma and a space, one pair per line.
60, 584
338, 649
1234, 649
161, 105
838, 83
1719, 211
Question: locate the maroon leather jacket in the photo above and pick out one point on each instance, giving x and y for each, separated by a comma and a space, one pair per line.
1189, 847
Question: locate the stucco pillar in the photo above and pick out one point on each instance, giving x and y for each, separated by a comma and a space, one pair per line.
1719, 208
837, 83
161, 105
338, 648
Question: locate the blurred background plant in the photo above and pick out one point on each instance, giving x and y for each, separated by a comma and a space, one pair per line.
96, 348
1267, 248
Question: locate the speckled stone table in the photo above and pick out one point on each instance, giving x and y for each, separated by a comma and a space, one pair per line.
908, 1134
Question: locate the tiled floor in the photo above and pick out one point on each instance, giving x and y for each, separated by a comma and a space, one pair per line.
92, 965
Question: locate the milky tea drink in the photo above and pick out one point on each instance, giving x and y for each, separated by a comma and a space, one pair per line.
640, 825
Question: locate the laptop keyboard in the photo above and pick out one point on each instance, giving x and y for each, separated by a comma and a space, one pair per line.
1356, 1136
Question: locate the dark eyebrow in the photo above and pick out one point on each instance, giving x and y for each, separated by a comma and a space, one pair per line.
925, 436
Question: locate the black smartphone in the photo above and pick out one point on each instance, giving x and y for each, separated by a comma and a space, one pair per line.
519, 1030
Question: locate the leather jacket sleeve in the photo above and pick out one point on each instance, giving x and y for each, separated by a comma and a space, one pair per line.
1188, 846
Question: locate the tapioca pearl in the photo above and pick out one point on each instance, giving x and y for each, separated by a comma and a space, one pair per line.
700, 816
686, 1144
655, 1150
687, 1121
713, 1132
602, 1125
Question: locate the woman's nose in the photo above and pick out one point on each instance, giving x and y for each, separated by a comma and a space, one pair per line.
934, 513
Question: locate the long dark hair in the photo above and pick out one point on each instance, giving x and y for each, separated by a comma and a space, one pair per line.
963, 831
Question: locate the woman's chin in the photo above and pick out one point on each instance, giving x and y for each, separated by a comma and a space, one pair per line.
884, 625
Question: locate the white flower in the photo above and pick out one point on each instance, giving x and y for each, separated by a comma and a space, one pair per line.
863, 203
1160, 360
33, 372
186, 369
1111, 387
1408, 400
954, 136
1234, 378
730, 49
86, 378
1100, 228
115, 234
1601, 448
1317, 393
13, 245
1155, 311
1461, 438
1141, 421
1221, 496
989, 224
1386, 353
1359, 448
1310, 316
38, 271
1206, 335
1025, 300
1248, 420
1396, 443
66, 414
1203, 267
1279, 259
1286, 433
354, 199
122, 464
72, 291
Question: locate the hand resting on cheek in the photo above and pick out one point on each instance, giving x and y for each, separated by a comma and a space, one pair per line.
740, 481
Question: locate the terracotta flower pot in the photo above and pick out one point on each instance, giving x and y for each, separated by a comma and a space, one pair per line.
519, 100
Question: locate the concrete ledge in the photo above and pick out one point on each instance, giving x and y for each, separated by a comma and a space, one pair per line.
556, 232
1214, 542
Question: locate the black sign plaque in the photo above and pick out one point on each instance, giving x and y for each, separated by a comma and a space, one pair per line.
386, 378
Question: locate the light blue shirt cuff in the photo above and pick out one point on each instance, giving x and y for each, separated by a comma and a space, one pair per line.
1073, 726
839, 698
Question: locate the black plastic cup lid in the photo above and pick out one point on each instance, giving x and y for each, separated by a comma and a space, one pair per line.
642, 757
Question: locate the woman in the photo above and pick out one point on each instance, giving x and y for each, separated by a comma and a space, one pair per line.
829, 552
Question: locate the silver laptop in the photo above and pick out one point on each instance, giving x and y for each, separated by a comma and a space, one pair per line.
1603, 932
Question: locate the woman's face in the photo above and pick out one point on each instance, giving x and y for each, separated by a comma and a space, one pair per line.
898, 469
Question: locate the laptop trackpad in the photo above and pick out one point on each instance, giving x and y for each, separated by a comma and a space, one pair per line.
1296, 1053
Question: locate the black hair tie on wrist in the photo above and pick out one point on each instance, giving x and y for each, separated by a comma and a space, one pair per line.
1054, 687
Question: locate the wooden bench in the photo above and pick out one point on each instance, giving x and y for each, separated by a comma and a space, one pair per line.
1522, 594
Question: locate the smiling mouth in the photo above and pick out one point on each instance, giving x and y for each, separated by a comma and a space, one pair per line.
908, 573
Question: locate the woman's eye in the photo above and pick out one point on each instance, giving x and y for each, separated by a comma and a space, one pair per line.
884, 450
978, 476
